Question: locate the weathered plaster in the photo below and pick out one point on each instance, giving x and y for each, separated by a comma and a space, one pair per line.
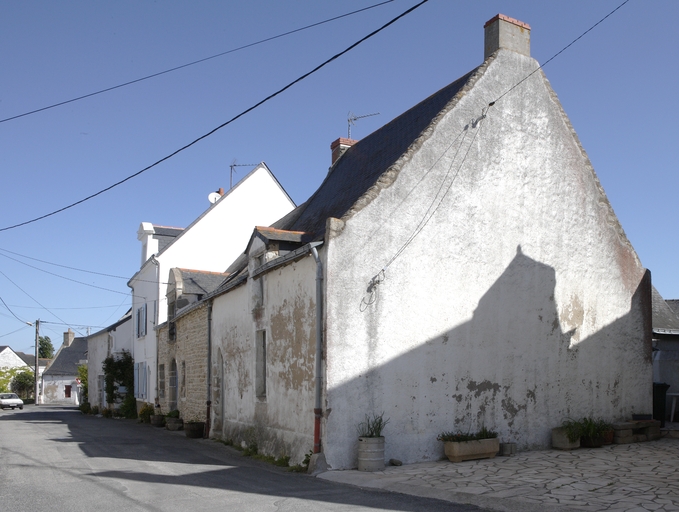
484, 281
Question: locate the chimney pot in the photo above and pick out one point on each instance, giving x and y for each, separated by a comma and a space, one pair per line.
339, 146
69, 336
220, 191
504, 32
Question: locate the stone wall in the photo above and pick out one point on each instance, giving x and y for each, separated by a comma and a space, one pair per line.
189, 350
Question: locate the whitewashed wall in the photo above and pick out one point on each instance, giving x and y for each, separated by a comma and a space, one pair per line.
282, 423
519, 303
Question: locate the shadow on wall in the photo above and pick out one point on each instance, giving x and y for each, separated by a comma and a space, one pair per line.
511, 368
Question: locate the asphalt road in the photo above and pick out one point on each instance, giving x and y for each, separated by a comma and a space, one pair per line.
58, 460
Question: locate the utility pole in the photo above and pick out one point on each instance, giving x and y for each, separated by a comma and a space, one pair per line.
37, 361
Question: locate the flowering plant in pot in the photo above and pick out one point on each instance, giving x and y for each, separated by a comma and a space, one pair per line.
459, 446
173, 421
371, 442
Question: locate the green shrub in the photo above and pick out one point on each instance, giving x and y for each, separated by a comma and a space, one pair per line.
459, 437
94, 410
85, 408
106, 412
372, 427
128, 409
172, 414
145, 413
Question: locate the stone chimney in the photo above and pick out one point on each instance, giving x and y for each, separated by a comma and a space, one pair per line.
504, 32
339, 147
69, 336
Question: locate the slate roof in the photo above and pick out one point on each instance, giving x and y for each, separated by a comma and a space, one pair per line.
664, 317
674, 304
165, 235
68, 359
362, 164
198, 282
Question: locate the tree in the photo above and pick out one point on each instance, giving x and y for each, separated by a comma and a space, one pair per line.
23, 383
45, 347
82, 375
7, 376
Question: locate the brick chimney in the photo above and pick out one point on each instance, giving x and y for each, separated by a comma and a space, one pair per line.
504, 32
339, 147
69, 336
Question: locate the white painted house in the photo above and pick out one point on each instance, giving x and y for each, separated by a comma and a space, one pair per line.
460, 267
210, 243
10, 359
60, 382
111, 341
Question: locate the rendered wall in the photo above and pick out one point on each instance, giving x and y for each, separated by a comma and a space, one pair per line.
511, 297
282, 422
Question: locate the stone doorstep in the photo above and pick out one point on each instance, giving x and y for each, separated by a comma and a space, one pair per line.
623, 433
623, 440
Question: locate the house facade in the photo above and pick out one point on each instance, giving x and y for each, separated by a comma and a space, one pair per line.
460, 267
210, 243
60, 382
111, 341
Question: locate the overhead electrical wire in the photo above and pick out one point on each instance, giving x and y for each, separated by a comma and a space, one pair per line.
34, 300
250, 109
182, 66
14, 332
69, 279
14, 315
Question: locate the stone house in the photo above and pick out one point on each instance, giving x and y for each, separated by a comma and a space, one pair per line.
459, 267
60, 383
183, 343
213, 240
110, 341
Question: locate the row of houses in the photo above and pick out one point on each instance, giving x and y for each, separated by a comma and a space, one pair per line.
459, 267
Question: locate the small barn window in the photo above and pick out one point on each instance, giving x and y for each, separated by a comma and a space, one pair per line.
260, 374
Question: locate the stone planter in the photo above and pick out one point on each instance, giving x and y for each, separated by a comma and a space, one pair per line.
194, 429
560, 440
370, 453
174, 423
470, 450
157, 420
608, 436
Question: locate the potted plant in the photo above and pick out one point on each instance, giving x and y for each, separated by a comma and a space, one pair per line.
194, 428
567, 436
173, 421
592, 432
371, 443
458, 447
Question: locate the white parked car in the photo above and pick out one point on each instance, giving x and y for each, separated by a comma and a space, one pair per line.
10, 400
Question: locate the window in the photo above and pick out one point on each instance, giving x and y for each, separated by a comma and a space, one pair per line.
161, 381
141, 321
140, 380
67, 391
260, 374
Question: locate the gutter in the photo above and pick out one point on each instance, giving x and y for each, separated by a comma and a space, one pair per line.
208, 403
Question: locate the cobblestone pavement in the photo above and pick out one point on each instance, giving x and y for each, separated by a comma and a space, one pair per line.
626, 477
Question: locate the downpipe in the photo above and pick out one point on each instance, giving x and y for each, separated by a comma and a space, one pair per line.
319, 350
209, 370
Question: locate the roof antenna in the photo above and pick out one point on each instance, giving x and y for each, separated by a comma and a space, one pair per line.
351, 118
233, 166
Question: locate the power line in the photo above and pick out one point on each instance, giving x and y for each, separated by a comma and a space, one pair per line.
557, 54
271, 96
89, 95
88, 307
8, 309
71, 268
34, 300
70, 279
13, 332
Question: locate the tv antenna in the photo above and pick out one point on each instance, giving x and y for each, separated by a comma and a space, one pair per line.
233, 169
352, 118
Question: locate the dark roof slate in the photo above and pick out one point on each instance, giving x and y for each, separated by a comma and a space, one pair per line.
362, 164
165, 235
664, 317
197, 282
68, 359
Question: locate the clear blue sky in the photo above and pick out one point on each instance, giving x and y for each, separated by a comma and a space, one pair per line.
618, 85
